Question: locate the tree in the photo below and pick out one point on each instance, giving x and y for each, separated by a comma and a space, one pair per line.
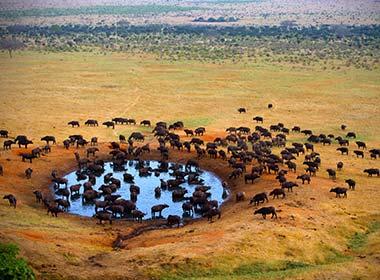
11, 45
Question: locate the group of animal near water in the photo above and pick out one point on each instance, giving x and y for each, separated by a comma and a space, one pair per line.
240, 148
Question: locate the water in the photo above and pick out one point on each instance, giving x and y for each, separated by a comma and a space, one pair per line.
146, 199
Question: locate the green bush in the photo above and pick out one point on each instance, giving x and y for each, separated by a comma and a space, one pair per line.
11, 267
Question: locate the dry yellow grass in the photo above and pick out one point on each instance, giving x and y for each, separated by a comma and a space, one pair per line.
40, 93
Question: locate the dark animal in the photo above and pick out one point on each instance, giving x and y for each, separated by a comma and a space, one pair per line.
12, 200
332, 173
48, 139
289, 185
277, 192
359, 153
26, 156
339, 165
8, 144
54, 210
251, 177
258, 119
4, 133
240, 196
211, 213
351, 183
109, 124
91, 123
38, 196
158, 208
73, 123
242, 110
339, 191
304, 177
145, 123
264, 211
104, 216
173, 220
343, 150
372, 171
260, 197
361, 144
28, 173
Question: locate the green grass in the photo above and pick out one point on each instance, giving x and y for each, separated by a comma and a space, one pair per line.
359, 240
12, 267
226, 269
95, 10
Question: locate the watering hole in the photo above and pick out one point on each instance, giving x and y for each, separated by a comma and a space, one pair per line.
147, 184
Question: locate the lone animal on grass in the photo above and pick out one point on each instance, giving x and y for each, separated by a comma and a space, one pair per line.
339, 191
264, 211
242, 110
12, 200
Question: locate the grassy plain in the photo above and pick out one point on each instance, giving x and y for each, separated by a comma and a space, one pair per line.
316, 237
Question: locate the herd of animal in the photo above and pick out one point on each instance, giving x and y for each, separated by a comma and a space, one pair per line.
241, 148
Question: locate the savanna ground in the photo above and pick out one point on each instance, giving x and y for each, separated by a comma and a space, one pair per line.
316, 236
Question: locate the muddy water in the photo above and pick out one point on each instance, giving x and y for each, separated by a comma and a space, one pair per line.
146, 199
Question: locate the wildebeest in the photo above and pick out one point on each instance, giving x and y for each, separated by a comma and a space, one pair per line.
260, 197
264, 211
48, 139
28, 173
173, 220
242, 110
338, 191
351, 183
158, 208
73, 123
189, 132
91, 122
270, 106
109, 124
372, 171
343, 150
12, 200
277, 192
